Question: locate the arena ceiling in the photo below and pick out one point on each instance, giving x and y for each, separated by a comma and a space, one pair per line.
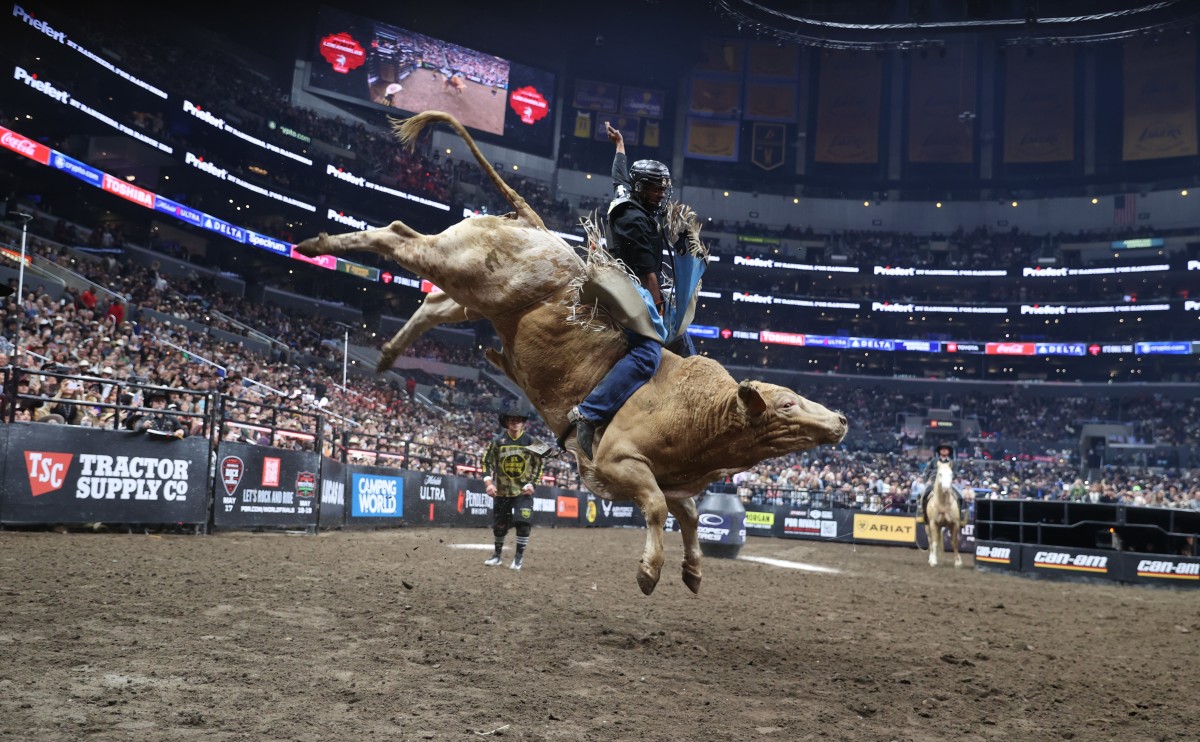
884, 24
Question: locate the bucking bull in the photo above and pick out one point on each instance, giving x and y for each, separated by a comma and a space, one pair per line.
691, 425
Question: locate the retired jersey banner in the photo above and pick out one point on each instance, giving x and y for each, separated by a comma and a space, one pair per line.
777, 62
767, 145
650, 133
583, 124
848, 108
712, 140
1160, 97
770, 101
939, 90
61, 474
264, 486
721, 56
714, 97
1039, 105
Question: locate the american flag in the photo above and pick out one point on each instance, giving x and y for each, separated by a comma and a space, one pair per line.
1124, 209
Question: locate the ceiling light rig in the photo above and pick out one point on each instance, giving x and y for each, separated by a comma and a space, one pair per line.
874, 26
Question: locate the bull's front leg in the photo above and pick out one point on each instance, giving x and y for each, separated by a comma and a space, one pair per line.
632, 478
437, 309
688, 516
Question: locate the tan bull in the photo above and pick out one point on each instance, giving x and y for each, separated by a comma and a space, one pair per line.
691, 425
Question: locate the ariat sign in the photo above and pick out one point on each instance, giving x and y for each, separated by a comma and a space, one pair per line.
1090, 563
1169, 569
885, 528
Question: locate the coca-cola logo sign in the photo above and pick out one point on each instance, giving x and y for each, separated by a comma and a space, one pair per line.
342, 52
24, 146
530, 105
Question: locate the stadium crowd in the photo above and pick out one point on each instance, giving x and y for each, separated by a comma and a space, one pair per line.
115, 334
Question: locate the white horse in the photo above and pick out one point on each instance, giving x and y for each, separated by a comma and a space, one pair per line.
941, 511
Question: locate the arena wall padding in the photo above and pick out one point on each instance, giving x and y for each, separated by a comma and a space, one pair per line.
264, 486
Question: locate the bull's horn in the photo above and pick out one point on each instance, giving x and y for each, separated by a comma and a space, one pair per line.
750, 396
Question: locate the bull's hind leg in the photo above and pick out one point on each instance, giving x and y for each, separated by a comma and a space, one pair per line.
390, 241
688, 516
437, 309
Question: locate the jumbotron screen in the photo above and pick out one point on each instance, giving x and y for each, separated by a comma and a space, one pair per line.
368, 61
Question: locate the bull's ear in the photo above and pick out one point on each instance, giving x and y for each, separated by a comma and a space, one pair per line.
755, 404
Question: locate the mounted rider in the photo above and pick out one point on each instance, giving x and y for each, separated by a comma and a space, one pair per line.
945, 456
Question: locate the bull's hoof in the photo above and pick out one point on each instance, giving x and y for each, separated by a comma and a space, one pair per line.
312, 247
386, 361
692, 580
647, 581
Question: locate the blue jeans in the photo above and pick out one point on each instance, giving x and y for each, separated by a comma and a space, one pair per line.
629, 374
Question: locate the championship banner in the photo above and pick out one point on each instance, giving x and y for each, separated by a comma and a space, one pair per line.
722, 56
1039, 105
712, 140
769, 60
61, 474
767, 145
939, 90
770, 101
1160, 97
263, 486
896, 529
596, 96
713, 97
643, 102
627, 125
583, 124
332, 511
848, 108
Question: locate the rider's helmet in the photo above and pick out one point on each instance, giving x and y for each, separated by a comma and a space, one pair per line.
651, 182
512, 409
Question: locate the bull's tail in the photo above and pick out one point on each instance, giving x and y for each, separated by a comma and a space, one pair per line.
408, 129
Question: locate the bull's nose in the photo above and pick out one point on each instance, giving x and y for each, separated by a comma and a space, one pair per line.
842, 420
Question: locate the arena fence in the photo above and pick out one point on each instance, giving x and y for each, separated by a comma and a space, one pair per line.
228, 477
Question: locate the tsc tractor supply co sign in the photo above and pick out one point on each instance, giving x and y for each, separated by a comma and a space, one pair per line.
56, 474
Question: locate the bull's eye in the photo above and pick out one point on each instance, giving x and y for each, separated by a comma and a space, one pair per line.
789, 403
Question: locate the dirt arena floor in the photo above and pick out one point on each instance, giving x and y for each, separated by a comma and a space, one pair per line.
406, 635
477, 106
